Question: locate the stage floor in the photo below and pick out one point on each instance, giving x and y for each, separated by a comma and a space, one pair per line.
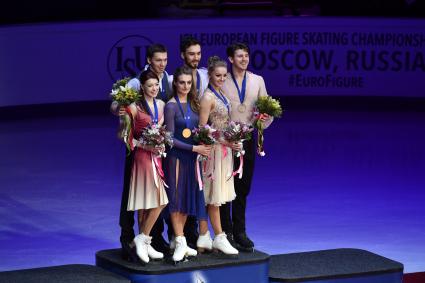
329, 180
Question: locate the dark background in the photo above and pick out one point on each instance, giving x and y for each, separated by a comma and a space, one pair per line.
13, 12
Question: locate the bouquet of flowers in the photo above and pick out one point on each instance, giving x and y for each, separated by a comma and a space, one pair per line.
203, 135
237, 132
156, 136
265, 105
121, 82
124, 96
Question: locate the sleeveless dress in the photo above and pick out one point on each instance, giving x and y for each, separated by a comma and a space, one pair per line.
143, 193
218, 180
180, 165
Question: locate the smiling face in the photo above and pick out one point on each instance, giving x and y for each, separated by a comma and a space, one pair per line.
218, 76
192, 56
240, 59
150, 88
183, 84
158, 62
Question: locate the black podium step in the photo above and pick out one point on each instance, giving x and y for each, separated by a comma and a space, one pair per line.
62, 274
247, 267
337, 265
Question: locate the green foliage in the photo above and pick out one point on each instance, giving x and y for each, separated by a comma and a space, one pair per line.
123, 94
122, 82
269, 105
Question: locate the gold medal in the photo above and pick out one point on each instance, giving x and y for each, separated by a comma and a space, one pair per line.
186, 133
242, 108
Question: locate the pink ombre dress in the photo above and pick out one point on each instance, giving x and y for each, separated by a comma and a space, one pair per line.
144, 193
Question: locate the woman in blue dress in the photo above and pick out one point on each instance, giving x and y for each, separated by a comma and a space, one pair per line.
185, 198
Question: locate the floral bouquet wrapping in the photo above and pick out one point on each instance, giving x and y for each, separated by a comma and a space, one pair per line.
156, 136
124, 96
203, 135
265, 105
237, 132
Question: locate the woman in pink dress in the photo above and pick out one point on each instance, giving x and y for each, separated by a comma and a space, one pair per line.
147, 193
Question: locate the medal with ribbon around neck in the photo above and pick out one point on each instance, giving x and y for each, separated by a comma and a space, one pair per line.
241, 92
186, 133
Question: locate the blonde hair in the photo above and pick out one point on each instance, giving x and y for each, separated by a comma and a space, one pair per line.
214, 62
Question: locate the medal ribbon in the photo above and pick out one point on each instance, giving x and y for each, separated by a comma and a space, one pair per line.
242, 92
163, 90
187, 116
198, 82
221, 97
154, 118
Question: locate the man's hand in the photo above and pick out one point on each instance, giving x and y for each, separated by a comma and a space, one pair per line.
122, 111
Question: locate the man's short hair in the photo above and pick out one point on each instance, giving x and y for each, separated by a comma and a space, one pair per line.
236, 46
155, 48
188, 41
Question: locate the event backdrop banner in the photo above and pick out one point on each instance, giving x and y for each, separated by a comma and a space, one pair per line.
64, 62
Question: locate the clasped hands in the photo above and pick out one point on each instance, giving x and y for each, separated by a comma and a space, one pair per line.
205, 150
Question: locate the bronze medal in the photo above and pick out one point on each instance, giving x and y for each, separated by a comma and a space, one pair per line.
186, 133
242, 108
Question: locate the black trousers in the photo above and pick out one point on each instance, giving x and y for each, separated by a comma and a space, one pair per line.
232, 214
191, 230
126, 217
158, 227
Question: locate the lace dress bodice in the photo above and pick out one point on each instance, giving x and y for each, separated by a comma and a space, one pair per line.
219, 117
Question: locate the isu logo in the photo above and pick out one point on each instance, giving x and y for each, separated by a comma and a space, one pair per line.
127, 56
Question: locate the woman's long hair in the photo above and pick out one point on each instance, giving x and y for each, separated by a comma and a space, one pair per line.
143, 78
192, 96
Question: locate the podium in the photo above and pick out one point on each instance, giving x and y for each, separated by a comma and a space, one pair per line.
212, 267
327, 266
